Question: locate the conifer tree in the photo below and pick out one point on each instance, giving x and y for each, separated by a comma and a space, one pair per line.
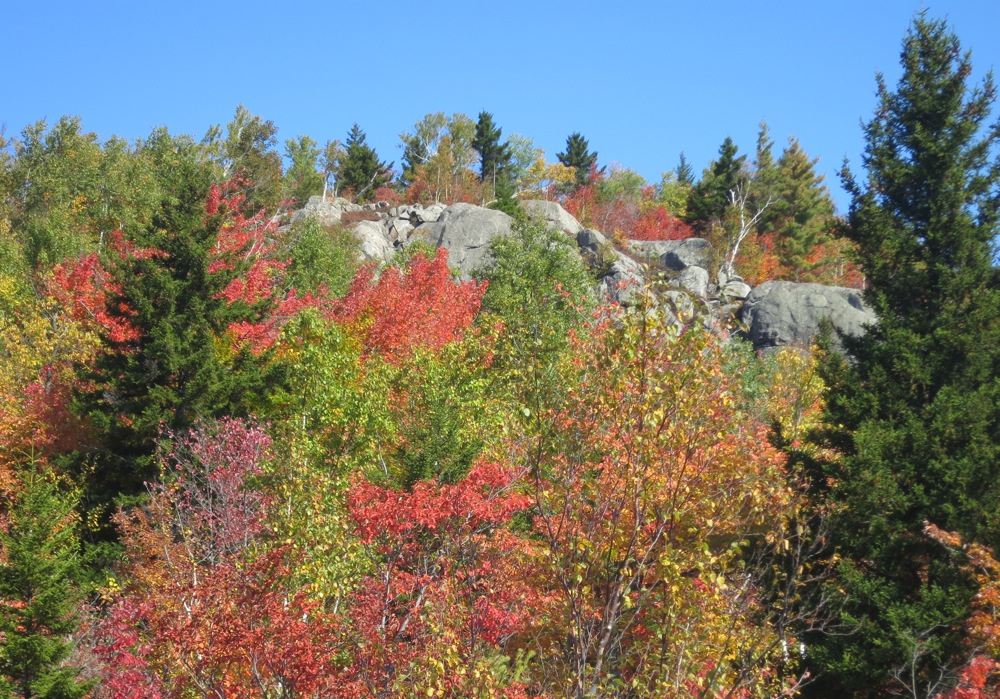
39, 563
174, 367
494, 157
709, 199
303, 178
361, 172
916, 412
579, 157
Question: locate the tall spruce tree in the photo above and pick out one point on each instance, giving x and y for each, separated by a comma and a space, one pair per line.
39, 566
494, 156
915, 413
361, 172
175, 369
709, 199
801, 215
578, 156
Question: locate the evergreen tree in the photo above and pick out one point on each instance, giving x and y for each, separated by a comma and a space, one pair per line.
494, 156
578, 156
801, 214
916, 412
39, 562
174, 369
709, 199
685, 173
361, 172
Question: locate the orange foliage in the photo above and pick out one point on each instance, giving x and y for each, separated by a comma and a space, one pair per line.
421, 306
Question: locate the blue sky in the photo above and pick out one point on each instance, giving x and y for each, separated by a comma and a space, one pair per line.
642, 81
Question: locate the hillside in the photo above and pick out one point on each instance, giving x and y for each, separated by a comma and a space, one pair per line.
494, 426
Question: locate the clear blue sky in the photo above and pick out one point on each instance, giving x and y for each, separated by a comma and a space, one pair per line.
642, 81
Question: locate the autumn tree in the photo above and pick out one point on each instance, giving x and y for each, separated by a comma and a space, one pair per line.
647, 483
247, 150
438, 158
540, 291
915, 411
183, 302
201, 603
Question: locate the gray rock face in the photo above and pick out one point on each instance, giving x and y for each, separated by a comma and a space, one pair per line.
736, 288
695, 280
466, 232
623, 281
691, 252
787, 313
327, 213
677, 255
590, 240
553, 214
374, 240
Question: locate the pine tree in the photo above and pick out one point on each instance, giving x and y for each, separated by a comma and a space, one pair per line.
579, 157
916, 412
38, 597
361, 172
494, 157
801, 215
709, 199
175, 368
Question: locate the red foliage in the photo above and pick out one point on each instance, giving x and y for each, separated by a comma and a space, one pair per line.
212, 500
656, 223
421, 306
82, 286
236, 631
629, 217
204, 610
243, 239
446, 587
979, 679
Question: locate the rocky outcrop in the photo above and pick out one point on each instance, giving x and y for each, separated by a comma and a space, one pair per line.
773, 314
375, 245
621, 281
466, 232
677, 255
327, 213
553, 215
788, 313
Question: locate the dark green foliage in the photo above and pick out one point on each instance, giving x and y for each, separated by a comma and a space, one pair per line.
801, 213
916, 412
38, 598
178, 369
685, 173
709, 199
494, 157
578, 156
361, 172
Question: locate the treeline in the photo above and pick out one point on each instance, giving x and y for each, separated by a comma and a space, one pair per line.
235, 461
